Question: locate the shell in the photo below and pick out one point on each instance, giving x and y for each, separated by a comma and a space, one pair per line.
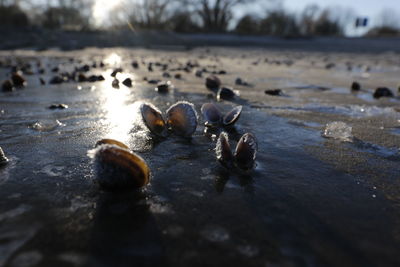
154, 120
211, 114
223, 151
7, 86
18, 79
213, 82
3, 158
118, 169
225, 93
163, 87
182, 118
232, 116
111, 142
246, 151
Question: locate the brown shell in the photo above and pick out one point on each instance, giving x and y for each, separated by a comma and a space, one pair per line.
118, 169
211, 114
18, 79
154, 120
111, 142
246, 151
213, 82
232, 116
182, 118
223, 151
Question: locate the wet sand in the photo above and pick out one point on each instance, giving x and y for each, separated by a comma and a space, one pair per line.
311, 201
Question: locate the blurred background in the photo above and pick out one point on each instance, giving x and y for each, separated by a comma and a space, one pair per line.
33, 22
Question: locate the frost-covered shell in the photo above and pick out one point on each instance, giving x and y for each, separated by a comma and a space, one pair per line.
232, 116
182, 118
111, 142
118, 169
154, 120
223, 151
246, 151
211, 114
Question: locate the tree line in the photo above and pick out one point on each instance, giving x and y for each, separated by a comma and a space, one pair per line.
182, 16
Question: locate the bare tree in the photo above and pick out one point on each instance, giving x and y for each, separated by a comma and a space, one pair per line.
215, 15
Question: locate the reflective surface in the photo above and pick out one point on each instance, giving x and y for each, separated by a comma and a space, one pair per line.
310, 201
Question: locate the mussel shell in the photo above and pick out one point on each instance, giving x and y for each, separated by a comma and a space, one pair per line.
213, 82
7, 86
154, 120
117, 169
211, 114
18, 79
225, 93
111, 142
246, 151
182, 118
232, 116
223, 151
3, 158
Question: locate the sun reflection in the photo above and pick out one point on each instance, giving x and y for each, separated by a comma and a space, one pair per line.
113, 59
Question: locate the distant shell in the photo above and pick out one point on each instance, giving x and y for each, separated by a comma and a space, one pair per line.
182, 118
213, 82
163, 87
154, 120
7, 86
232, 116
119, 169
225, 93
246, 151
18, 79
111, 142
223, 151
3, 158
211, 114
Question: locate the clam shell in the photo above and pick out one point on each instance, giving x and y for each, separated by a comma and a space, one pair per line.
182, 118
225, 93
118, 169
3, 158
232, 116
211, 114
213, 82
154, 120
246, 151
223, 151
111, 142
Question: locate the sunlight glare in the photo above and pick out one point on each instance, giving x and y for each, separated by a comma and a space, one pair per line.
102, 9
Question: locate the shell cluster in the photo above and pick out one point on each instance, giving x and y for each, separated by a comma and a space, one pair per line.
181, 119
214, 117
117, 168
245, 153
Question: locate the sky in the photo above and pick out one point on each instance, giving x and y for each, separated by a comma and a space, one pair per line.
363, 8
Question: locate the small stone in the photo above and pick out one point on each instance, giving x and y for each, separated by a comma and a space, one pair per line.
330, 66
163, 87
178, 76
355, 86
7, 86
166, 75
383, 92
135, 64
56, 80
274, 92
153, 81
117, 70
82, 77
199, 73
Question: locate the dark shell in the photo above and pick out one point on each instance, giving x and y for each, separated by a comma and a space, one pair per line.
57, 80
182, 118
163, 87
355, 86
225, 93
223, 151
127, 82
58, 106
3, 158
232, 116
383, 92
18, 79
246, 151
211, 114
115, 83
274, 92
154, 120
213, 82
111, 142
7, 86
118, 169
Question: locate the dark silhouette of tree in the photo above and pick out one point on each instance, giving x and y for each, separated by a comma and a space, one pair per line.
248, 24
279, 23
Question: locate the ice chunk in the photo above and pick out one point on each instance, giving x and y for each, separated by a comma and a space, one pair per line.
338, 130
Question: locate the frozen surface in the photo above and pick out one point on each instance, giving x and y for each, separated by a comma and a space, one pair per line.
338, 130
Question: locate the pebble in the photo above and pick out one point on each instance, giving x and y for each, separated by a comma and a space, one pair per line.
7, 86
383, 92
274, 92
127, 82
355, 86
58, 106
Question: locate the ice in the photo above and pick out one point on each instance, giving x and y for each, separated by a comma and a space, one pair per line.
46, 125
338, 130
